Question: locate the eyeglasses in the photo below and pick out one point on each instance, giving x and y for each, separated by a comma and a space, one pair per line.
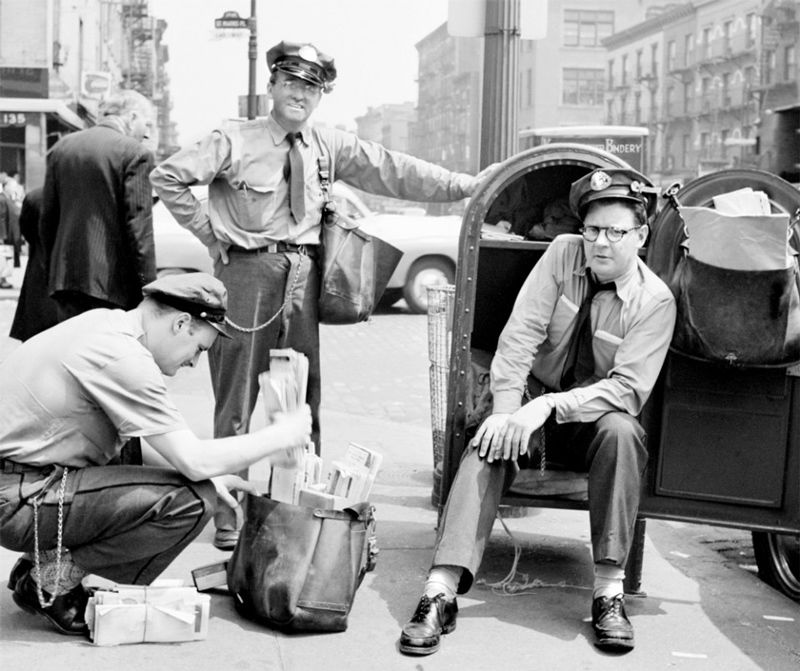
613, 234
299, 86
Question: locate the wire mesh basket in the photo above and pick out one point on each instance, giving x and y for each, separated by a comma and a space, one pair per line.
440, 327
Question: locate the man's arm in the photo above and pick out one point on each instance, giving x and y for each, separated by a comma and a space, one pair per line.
202, 459
199, 163
373, 168
139, 215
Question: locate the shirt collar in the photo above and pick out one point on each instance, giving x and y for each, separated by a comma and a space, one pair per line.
626, 285
278, 132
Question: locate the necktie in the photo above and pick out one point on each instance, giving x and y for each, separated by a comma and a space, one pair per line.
294, 174
579, 364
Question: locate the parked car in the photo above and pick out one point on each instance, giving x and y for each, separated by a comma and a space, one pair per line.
429, 245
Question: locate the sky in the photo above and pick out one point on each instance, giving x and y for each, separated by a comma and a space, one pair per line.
371, 41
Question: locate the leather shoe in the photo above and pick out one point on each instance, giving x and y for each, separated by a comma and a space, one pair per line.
225, 539
612, 628
67, 612
432, 618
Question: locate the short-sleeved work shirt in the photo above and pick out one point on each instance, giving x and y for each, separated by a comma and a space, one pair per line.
75, 393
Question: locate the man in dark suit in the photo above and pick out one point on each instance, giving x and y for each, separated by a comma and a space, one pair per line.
97, 226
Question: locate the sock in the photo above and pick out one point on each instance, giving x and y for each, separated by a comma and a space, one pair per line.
55, 582
443, 580
608, 580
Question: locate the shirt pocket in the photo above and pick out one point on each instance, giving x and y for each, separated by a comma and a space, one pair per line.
605, 346
564, 315
255, 206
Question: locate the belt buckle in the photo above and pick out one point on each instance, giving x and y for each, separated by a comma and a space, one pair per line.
272, 247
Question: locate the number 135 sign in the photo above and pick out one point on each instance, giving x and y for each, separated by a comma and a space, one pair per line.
12, 119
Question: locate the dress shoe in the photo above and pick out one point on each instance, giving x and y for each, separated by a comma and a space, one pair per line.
225, 539
67, 612
23, 566
423, 632
612, 628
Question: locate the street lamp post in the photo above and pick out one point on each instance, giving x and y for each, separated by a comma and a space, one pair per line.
232, 21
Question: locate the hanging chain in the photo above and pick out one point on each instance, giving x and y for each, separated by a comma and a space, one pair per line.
287, 298
36, 559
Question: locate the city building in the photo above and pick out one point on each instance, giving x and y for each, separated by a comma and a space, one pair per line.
59, 59
390, 125
716, 84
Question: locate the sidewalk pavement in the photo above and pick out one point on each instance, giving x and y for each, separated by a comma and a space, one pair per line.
701, 611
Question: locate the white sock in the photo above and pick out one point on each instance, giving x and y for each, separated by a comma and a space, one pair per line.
443, 580
608, 580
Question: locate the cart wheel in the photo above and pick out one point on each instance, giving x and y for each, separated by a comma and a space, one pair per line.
778, 559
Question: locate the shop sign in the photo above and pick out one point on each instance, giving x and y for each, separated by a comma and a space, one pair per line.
12, 119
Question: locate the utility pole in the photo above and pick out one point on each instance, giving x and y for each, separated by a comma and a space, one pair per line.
252, 55
500, 81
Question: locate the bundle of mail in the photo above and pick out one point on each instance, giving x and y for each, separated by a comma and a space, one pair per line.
283, 388
164, 612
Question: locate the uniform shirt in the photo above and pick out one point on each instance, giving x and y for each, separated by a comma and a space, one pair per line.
632, 329
243, 162
74, 394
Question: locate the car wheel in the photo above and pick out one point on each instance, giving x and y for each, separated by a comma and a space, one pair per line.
778, 560
424, 273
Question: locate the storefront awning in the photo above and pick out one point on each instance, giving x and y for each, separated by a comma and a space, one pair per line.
45, 105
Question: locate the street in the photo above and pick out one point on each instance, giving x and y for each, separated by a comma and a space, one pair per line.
704, 606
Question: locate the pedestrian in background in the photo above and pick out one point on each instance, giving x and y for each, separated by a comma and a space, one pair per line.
36, 311
97, 227
9, 235
262, 227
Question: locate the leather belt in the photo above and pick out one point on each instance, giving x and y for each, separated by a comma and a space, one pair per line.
7, 466
276, 247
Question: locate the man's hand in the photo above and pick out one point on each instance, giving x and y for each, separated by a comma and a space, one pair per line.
482, 176
225, 484
522, 424
291, 429
488, 435
217, 250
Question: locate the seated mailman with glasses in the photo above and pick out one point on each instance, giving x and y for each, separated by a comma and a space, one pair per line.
577, 359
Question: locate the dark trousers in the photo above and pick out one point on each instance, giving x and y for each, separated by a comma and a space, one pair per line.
612, 450
124, 523
258, 284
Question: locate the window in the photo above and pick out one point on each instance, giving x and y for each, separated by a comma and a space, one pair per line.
705, 140
611, 74
705, 94
686, 145
672, 61
587, 28
750, 37
726, 36
624, 73
726, 89
654, 59
789, 63
637, 108
749, 76
723, 138
688, 50
623, 103
583, 86
670, 101
639, 60
687, 95
706, 43
769, 70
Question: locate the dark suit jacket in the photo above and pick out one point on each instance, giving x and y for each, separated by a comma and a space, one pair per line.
36, 311
97, 225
